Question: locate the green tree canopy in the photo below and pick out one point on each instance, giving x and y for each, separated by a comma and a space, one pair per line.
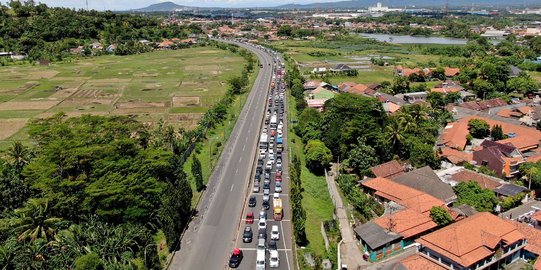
470, 193
440, 216
479, 128
318, 156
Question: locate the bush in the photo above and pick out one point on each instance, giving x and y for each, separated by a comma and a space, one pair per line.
89, 262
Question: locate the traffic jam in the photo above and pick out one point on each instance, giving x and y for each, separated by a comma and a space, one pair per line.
261, 242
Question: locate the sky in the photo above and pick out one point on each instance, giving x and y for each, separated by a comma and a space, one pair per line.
134, 4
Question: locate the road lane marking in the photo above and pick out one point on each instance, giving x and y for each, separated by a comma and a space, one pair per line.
243, 147
255, 249
284, 240
232, 187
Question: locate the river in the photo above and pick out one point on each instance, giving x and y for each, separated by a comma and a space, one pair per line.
399, 39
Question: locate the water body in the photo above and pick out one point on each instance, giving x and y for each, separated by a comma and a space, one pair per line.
400, 39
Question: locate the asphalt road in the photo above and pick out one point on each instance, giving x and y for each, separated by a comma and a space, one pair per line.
211, 235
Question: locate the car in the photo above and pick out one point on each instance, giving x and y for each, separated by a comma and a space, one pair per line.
260, 260
250, 218
275, 234
266, 198
279, 155
257, 177
274, 261
266, 205
267, 175
261, 244
252, 201
262, 223
278, 186
279, 173
266, 187
272, 245
278, 178
271, 145
262, 154
263, 213
271, 158
276, 195
267, 181
247, 234
279, 164
269, 165
262, 233
236, 258
256, 187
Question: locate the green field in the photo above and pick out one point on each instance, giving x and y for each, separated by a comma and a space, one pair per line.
177, 86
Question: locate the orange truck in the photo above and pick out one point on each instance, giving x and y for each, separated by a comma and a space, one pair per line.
278, 210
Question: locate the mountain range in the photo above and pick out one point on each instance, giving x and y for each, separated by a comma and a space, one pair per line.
355, 4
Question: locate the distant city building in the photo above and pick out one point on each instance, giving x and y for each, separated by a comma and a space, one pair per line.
382, 9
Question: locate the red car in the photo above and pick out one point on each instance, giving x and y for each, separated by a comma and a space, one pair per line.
250, 218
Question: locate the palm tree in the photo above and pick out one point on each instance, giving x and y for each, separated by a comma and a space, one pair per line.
34, 221
394, 131
19, 154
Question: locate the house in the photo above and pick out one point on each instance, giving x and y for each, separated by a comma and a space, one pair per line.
414, 97
388, 169
341, 68
358, 89
319, 70
451, 72
483, 104
416, 262
96, 46
377, 241
522, 137
391, 104
533, 238
407, 72
447, 87
318, 104
451, 157
344, 87
455, 177
502, 158
166, 44
509, 190
523, 212
189, 41
310, 85
427, 181
476, 242
77, 50
111, 48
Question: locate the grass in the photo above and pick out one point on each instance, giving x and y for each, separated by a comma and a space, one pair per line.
161, 247
120, 85
316, 199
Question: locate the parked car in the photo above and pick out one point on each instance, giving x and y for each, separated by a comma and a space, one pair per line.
236, 258
260, 260
274, 261
250, 218
275, 234
252, 201
247, 235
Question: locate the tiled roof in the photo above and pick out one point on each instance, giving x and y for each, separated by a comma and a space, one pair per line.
472, 239
451, 72
422, 203
426, 180
537, 217
390, 190
484, 104
533, 236
484, 181
407, 223
358, 89
418, 262
388, 169
455, 156
454, 134
374, 235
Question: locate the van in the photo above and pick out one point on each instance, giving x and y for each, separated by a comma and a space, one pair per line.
260, 260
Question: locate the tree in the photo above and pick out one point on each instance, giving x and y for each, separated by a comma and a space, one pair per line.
318, 156
197, 174
89, 261
497, 133
19, 154
479, 128
34, 221
422, 154
400, 85
522, 84
440, 216
470, 193
361, 157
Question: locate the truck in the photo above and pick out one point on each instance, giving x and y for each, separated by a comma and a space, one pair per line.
278, 210
263, 142
273, 121
279, 143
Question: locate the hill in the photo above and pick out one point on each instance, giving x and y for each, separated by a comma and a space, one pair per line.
161, 7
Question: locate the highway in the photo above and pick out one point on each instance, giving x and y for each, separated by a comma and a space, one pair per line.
212, 234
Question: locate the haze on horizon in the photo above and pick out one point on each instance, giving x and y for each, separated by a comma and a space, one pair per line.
135, 4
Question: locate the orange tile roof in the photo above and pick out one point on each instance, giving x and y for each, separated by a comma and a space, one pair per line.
419, 262
447, 89
391, 190
533, 237
454, 134
451, 72
358, 89
525, 109
388, 169
407, 223
472, 239
456, 156
534, 158
537, 216
422, 203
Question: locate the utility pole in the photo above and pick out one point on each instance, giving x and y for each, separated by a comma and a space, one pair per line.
87, 5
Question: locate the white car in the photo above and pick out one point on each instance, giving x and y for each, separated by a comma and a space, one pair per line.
262, 154
262, 223
276, 195
278, 187
274, 261
275, 234
279, 164
271, 157
269, 165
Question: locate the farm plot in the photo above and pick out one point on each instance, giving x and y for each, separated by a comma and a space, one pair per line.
176, 86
